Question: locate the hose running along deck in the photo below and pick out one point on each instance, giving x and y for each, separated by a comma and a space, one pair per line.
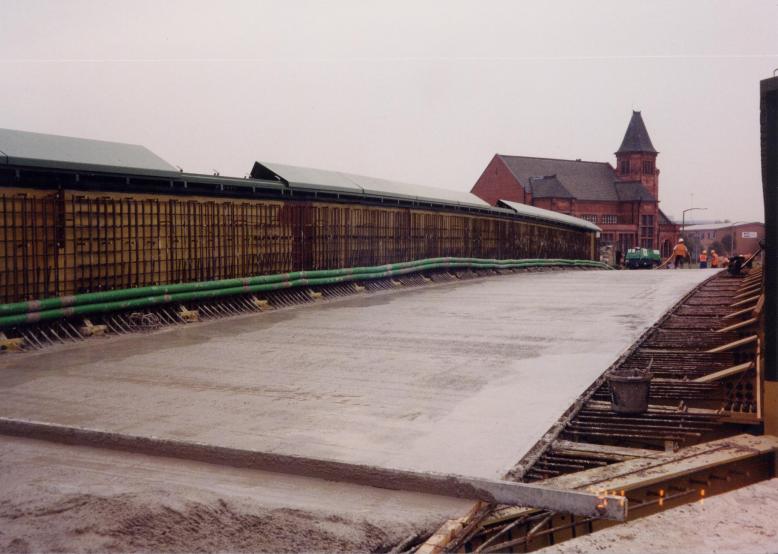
40, 323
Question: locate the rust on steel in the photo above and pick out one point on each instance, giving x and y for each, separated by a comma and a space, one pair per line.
492, 491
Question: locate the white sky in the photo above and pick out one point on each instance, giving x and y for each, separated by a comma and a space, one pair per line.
423, 92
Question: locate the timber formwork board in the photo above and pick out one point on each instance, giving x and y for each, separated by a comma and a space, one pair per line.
646, 480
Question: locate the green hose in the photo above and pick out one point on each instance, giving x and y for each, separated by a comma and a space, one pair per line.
142, 297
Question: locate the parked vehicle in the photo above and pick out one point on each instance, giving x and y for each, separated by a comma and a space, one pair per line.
642, 258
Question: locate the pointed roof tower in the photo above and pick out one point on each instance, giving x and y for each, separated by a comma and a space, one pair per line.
636, 138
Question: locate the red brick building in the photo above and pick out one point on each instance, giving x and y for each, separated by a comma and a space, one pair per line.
623, 201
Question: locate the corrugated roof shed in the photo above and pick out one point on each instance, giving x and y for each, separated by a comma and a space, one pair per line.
583, 180
716, 226
547, 215
335, 181
55, 151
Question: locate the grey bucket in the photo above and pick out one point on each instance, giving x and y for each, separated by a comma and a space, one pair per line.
629, 391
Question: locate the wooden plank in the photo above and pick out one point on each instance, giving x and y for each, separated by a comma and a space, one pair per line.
732, 345
604, 406
450, 531
734, 370
624, 451
642, 472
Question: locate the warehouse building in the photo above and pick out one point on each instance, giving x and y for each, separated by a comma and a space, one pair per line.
739, 237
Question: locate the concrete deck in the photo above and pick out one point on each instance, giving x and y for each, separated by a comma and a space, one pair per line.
461, 378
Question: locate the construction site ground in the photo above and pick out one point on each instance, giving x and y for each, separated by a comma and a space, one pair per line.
741, 521
461, 378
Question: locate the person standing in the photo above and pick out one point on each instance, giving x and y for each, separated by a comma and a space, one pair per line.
714, 259
680, 253
703, 259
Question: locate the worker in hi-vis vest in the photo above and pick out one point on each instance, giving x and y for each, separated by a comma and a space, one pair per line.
714, 259
680, 253
703, 259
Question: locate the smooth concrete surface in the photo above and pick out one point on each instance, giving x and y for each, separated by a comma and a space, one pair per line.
59, 498
462, 378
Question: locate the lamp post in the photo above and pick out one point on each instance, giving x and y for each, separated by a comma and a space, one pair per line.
683, 216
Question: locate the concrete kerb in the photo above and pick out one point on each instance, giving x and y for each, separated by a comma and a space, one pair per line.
491, 491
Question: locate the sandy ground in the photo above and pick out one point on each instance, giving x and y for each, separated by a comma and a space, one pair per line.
457, 379
56, 498
742, 521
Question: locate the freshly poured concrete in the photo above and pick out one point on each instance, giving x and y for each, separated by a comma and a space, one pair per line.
462, 378
58, 498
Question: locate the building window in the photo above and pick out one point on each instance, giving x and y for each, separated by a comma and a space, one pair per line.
610, 219
648, 166
626, 241
647, 231
625, 166
590, 217
606, 238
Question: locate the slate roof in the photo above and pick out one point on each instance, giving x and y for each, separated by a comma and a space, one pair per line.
548, 187
631, 191
554, 178
664, 220
636, 138
582, 180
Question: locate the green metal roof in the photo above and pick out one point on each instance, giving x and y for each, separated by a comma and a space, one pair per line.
335, 181
547, 215
40, 150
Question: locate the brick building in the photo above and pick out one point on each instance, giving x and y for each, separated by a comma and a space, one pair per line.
739, 237
623, 201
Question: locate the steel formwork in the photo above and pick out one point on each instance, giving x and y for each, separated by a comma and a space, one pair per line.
63, 242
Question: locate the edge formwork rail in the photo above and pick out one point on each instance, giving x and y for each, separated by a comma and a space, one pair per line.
20, 313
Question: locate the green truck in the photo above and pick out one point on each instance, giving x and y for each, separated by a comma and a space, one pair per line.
638, 258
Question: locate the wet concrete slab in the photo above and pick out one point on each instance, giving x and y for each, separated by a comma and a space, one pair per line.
461, 378
60, 498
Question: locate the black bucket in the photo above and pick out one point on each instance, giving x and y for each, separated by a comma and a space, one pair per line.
629, 391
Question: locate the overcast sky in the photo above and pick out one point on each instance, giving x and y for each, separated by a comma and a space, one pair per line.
423, 92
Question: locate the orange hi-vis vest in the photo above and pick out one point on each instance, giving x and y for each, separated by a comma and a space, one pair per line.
703, 258
680, 250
